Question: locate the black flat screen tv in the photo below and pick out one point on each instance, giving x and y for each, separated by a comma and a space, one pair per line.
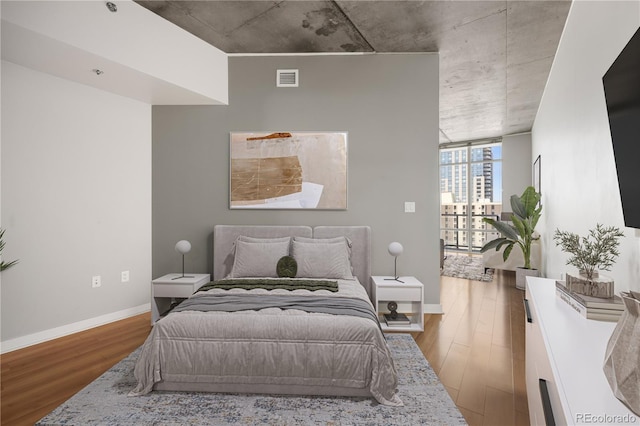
622, 91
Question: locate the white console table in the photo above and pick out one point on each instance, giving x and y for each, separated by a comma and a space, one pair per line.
565, 355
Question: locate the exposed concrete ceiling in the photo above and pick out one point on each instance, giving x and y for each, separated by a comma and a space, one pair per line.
495, 56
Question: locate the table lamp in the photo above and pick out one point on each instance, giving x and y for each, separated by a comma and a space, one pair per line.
183, 247
395, 250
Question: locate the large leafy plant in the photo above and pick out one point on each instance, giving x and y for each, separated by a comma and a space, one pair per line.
526, 213
598, 250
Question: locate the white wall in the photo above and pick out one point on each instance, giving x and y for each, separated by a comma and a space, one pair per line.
76, 202
516, 166
571, 133
142, 55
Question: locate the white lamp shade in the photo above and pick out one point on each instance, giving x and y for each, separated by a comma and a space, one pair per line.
395, 249
183, 246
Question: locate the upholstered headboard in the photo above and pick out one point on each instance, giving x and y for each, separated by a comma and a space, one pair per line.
224, 237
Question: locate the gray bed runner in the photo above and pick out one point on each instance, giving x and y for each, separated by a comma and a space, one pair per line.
254, 302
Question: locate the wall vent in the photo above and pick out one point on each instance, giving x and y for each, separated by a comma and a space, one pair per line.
287, 78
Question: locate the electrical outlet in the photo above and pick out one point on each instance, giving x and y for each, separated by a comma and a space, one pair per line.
124, 276
409, 207
96, 281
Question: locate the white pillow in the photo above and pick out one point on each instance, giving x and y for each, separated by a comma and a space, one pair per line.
258, 259
322, 260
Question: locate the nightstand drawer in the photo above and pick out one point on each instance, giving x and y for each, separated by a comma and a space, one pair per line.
399, 293
172, 290
407, 293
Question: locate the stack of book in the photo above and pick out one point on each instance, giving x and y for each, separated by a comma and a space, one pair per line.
399, 321
609, 309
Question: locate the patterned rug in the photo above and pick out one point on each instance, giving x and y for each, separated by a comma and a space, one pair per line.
466, 266
105, 401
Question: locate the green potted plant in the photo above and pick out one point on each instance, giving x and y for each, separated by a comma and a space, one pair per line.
4, 265
527, 210
596, 251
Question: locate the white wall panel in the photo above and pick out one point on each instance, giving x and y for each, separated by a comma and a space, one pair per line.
571, 132
76, 201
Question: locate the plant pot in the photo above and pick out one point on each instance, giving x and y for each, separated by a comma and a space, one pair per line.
583, 273
598, 286
521, 277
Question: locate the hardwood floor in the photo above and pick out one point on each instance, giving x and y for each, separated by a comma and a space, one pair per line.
476, 348
37, 379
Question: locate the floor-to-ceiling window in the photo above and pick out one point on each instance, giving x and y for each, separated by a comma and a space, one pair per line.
470, 189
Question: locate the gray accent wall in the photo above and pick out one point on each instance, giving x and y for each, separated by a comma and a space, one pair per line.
388, 104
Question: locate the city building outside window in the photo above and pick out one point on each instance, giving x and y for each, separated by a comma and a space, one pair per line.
470, 189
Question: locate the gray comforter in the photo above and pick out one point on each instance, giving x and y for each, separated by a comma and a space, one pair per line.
270, 346
254, 302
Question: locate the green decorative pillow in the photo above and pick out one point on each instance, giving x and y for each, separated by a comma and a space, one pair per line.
287, 267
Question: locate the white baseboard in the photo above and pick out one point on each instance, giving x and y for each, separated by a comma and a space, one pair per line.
433, 308
65, 330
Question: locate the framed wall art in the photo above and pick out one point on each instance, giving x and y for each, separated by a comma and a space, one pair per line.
288, 170
536, 174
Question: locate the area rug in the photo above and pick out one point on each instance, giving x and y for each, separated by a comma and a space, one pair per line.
105, 401
466, 266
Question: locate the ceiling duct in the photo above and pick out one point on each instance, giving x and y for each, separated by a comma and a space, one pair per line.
287, 78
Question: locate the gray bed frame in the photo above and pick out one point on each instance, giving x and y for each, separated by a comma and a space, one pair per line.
224, 237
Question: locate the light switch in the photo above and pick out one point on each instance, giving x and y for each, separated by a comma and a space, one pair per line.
409, 207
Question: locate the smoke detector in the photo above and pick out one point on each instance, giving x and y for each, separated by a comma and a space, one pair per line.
287, 78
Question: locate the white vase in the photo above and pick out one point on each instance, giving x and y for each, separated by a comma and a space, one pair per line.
521, 276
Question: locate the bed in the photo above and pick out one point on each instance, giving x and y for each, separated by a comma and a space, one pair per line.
253, 331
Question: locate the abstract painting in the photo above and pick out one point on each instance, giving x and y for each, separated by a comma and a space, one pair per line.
288, 170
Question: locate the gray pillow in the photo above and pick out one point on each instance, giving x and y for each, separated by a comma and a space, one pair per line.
258, 259
326, 240
322, 260
248, 239
340, 239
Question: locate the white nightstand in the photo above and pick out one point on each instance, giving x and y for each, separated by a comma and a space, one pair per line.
408, 295
173, 286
